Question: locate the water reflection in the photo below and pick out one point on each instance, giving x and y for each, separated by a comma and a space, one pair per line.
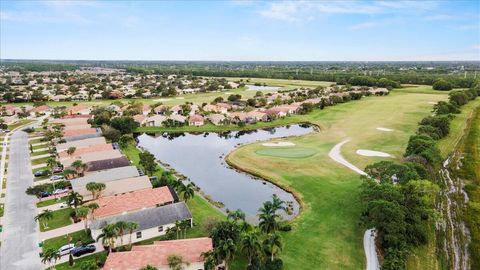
200, 157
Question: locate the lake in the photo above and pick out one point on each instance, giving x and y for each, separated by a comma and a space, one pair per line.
200, 157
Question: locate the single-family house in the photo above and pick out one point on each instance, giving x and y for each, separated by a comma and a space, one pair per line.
216, 119
104, 176
157, 254
140, 119
79, 109
196, 120
92, 155
155, 120
152, 222
178, 118
82, 131
85, 150
41, 110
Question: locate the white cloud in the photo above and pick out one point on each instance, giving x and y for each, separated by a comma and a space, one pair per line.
298, 10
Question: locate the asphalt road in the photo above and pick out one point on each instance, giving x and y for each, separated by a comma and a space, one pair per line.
20, 232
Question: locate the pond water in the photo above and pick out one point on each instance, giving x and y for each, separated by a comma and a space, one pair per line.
200, 157
262, 88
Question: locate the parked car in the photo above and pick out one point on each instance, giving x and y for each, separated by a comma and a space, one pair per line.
57, 170
45, 194
65, 250
60, 191
79, 251
64, 205
40, 173
56, 177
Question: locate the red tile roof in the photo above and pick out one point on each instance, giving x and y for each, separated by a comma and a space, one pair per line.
156, 255
85, 150
115, 205
76, 132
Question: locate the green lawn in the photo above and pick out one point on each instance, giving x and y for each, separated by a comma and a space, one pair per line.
75, 237
20, 123
50, 202
44, 145
61, 218
38, 140
287, 152
39, 153
98, 257
39, 160
327, 234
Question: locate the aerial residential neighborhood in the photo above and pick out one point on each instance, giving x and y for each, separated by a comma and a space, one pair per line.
239, 135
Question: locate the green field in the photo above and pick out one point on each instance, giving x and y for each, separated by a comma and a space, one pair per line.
75, 237
286, 152
327, 234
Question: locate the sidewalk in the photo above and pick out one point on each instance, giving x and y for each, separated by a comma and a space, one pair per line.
62, 231
39, 166
40, 156
52, 207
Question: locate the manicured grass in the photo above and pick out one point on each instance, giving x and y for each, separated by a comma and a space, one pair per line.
286, 152
50, 202
328, 234
38, 140
40, 146
20, 123
97, 257
75, 237
2, 209
60, 218
283, 83
457, 128
39, 160
39, 153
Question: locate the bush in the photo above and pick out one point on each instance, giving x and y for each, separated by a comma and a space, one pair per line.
442, 85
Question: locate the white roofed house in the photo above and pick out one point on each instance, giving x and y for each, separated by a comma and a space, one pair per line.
216, 119
155, 120
178, 118
177, 109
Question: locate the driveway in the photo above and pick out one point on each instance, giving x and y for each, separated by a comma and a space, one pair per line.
20, 231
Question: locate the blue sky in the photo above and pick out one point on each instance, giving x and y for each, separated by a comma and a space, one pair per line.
240, 30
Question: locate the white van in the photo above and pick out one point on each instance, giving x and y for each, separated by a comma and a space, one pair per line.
65, 250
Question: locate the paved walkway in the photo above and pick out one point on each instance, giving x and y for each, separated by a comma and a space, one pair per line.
40, 149
20, 237
40, 156
38, 165
52, 207
65, 258
62, 231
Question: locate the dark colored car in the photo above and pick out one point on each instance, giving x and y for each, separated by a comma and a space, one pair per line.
41, 173
45, 194
79, 251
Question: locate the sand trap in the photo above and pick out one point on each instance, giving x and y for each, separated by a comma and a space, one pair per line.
228, 93
384, 129
179, 98
278, 144
370, 153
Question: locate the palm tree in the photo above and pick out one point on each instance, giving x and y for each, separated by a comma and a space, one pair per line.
71, 150
108, 236
51, 163
95, 189
51, 254
177, 227
122, 226
69, 174
187, 191
44, 217
131, 226
176, 262
278, 204
185, 224
273, 244
82, 213
93, 206
209, 260
226, 251
236, 215
79, 167
250, 245
75, 199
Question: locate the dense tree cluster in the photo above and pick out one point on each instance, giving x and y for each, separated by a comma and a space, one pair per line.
399, 199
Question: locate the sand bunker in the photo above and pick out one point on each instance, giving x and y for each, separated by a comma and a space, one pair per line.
278, 144
370, 153
384, 129
228, 93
